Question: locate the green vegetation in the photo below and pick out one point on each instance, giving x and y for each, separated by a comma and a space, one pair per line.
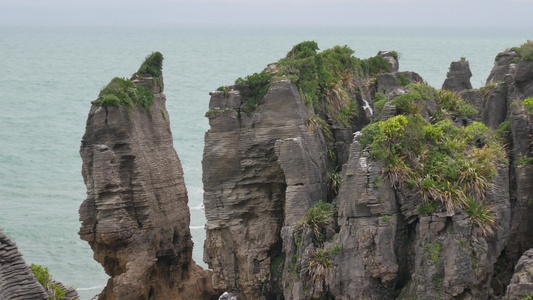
403, 80
482, 216
276, 267
54, 291
528, 104
428, 207
488, 89
433, 251
504, 126
524, 160
318, 218
525, 51
376, 182
315, 122
253, 88
325, 79
334, 182
448, 165
124, 92
380, 100
152, 65
450, 104
526, 297
225, 89
319, 266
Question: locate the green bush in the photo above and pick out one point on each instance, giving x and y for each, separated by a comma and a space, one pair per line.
433, 251
451, 104
119, 92
445, 163
380, 104
376, 65
528, 104
482, 216
319, 218
334, 182
124, 92
319, 215
253, 88
524, 160
403, 80
407, 104
43, 276
303, 50
428, 207
319, 266
525, 51
152, 65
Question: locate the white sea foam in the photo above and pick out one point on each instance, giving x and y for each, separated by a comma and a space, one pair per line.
98, 287
197, 227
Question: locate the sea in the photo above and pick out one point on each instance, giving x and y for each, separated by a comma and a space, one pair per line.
49, 75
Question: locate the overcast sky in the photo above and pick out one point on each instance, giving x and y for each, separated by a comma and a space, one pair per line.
435, 13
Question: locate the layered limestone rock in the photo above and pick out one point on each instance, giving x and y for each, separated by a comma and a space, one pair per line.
17, 281
521, 286
261, 173
136, 217
264, 171
458, 78
509, 83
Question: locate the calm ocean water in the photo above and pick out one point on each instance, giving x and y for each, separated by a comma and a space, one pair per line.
50, 75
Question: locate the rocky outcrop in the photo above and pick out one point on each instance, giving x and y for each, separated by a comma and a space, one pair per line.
458, 78
17, 281
521, 286
136, 217
261, 173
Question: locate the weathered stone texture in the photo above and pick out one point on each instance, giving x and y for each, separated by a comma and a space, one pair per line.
17, 281
135, 217
522, 282
458, 78
261, 173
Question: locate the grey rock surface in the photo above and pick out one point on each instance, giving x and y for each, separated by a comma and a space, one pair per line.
261, 173
136, 217
17, 281
458, 78
522, 282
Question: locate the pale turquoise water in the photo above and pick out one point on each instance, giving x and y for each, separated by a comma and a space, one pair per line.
49, 75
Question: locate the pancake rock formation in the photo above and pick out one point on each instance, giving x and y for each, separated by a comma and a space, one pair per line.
331, 177
136, 217
16, 278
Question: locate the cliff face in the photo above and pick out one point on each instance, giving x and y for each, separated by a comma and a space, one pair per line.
387, 232
136, 217
261, 174
509, 83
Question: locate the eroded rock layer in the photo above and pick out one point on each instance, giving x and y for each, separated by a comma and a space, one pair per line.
265, 170
17, 281
136, 217
260, 173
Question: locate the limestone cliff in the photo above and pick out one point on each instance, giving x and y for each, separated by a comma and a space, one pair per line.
424, 203
136, 217
260, 173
